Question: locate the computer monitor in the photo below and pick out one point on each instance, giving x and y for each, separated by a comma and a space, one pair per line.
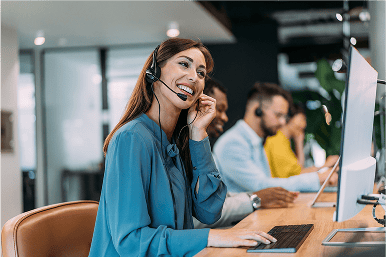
357, 166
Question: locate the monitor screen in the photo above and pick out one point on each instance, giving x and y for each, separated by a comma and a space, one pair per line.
356, 167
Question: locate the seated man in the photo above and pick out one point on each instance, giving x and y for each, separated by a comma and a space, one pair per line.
242, 161
238, 206
282, 160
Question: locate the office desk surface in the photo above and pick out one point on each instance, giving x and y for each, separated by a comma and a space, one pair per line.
300, 212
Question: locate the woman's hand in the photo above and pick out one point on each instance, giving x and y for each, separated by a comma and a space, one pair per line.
237, 237
200, 115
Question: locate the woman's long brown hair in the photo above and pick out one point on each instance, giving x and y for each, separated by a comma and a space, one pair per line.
142, 95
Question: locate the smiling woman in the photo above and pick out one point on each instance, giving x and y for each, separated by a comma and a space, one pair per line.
158, 175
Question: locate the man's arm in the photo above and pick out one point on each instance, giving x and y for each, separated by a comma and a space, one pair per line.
236, 207
243, 170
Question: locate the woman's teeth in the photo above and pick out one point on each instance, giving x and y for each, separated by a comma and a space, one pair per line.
185, 88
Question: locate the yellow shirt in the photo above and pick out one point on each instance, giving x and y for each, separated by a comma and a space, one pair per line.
282, 160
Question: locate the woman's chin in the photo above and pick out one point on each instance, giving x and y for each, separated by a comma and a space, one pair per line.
184, 104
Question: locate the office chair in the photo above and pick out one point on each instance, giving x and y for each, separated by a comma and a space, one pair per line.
63, 229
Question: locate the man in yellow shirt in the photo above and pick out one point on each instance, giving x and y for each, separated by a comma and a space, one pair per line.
282, 159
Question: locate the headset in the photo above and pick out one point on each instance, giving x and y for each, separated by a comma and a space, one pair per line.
153, 74
259, 112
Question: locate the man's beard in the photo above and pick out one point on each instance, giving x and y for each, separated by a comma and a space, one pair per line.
267, 131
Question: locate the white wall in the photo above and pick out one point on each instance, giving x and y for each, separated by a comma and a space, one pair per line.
11, 175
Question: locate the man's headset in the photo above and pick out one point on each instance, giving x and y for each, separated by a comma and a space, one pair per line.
259, 112
153, 74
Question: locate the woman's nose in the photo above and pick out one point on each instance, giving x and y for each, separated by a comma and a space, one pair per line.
192, 75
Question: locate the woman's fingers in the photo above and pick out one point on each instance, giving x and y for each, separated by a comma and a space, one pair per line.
237, 237
267, 236
248, 243
204, 97
259, 236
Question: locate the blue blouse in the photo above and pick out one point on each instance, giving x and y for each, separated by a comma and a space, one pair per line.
146, 204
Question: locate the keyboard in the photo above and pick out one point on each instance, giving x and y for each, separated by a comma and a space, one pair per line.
289, 239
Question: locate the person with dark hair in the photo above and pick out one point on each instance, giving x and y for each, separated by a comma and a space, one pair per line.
240, 153
159, 171
238, 205
283, 161
216, 90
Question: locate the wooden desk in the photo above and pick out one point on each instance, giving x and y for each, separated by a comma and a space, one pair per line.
301, 213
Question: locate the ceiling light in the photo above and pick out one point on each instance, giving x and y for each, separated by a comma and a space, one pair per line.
353, 41
39, 40
339, 66
364, 16
339, 17
173, 30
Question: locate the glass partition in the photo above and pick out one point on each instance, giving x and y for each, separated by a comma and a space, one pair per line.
76, 123
27, 127
72, 97
123, 69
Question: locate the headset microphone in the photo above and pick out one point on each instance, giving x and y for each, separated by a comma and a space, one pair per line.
153, 74
180, 95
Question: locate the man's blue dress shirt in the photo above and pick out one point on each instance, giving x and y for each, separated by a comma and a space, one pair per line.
244, 166
143, 178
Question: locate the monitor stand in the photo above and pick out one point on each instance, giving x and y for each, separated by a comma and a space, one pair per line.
315, 204
382, 230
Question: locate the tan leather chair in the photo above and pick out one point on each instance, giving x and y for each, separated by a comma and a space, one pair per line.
63, 229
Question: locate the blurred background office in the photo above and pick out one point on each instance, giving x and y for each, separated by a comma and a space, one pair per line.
68, 69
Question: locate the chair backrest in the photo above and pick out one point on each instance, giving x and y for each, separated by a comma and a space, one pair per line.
63, 229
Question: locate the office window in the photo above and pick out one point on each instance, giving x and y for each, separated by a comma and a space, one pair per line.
72, 108
76, 122
123, 69
26, 113
27, 127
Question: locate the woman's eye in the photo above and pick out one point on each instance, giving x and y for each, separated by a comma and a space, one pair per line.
202, 74
185, 64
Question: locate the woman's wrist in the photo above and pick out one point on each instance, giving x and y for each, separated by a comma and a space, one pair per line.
196, 134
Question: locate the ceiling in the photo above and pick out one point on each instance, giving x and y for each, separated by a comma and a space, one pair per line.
106, 23
305, 28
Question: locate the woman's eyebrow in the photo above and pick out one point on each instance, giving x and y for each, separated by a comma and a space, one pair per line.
191, 60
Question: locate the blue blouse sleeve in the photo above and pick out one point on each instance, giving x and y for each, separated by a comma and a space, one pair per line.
126, 189
208, 202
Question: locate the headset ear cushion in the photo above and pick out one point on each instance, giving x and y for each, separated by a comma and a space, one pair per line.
157, 72
149, 76
258, 112
153, 73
